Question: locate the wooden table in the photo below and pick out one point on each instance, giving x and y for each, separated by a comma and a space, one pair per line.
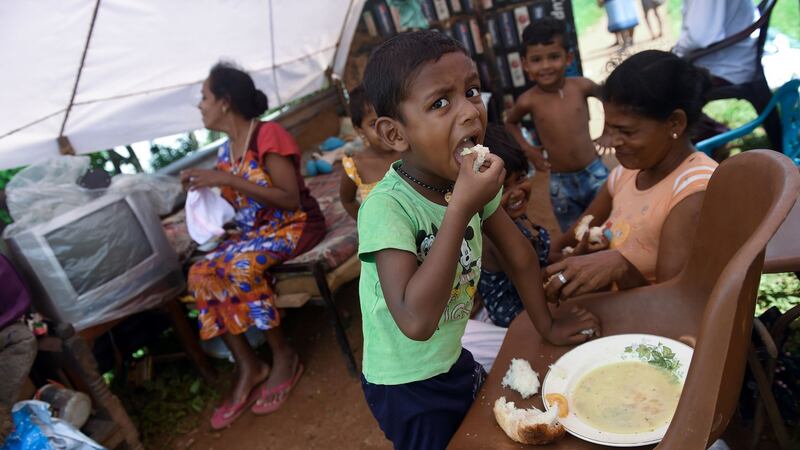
479, 430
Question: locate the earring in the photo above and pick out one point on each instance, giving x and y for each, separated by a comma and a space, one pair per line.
674, 135
224, 110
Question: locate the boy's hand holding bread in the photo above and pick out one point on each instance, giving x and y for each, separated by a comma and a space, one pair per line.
474, 189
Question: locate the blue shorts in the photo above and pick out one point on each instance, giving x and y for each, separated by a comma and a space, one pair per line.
572, 192
426, 414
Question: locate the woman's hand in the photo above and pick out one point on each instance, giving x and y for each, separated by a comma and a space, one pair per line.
575, 327
197, 178
585, 247
583, 274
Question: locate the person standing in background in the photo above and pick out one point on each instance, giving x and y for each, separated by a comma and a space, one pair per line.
704, 22
622, 19
652, 5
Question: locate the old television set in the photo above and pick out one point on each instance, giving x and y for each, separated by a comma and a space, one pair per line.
107, 259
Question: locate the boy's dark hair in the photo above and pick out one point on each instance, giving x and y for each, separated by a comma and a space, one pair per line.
359, 104
503, 144
394, 64
654, 83
234, 84
543, 31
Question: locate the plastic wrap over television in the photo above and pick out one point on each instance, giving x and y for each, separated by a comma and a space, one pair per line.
98, 262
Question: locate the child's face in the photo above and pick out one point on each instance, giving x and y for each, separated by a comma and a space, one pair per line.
367, 129
546, 64
442, 115
516, 193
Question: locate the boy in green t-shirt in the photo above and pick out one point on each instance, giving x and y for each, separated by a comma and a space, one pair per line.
420, 242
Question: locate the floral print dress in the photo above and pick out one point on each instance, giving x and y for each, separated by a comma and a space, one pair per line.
231, 286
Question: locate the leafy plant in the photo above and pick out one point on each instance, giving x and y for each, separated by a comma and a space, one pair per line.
659, 356
167, 406
163, 155
781, 290
5, 177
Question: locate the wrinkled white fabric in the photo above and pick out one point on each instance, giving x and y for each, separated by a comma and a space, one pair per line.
206, 213
137, 85
483, 340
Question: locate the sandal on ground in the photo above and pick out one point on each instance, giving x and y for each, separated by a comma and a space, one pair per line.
279, 394
227, 413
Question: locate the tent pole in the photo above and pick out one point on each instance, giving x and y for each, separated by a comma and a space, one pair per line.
65, 146
77, 81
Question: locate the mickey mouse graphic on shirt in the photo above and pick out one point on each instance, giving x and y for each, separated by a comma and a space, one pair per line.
468, 270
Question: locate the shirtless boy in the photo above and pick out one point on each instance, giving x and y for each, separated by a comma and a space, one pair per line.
561, 115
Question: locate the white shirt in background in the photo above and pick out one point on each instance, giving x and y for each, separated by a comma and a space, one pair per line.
708, 21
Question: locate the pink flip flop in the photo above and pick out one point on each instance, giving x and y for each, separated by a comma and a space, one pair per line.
227, 413
280, 393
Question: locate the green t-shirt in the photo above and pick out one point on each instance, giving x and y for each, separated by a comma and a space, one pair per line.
395, 216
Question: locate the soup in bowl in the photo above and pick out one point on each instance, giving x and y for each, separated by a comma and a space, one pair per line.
626, 397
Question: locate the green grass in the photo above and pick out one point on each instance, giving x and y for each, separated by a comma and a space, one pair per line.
735, 113
586, 13
731, 112
674, 12
785, 17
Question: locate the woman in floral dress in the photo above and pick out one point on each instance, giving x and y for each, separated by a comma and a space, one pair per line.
258, 171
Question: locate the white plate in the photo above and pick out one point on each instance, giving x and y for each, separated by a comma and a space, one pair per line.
570, 368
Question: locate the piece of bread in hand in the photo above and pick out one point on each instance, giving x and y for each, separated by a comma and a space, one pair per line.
595, 233
481, 153
528, 426
521, 377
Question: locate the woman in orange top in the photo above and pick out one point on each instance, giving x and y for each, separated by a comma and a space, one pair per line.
363, 171
651, 102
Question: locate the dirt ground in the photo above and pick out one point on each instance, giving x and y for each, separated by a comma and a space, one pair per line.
326, 410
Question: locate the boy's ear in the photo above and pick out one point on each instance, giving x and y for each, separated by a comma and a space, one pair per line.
570, 58
391, 134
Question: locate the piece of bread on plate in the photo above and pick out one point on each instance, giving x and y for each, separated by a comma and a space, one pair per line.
528, 426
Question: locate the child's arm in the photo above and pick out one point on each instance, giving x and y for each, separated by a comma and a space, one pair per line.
519, 261
534, 154
589, 87
415, 294
347, 195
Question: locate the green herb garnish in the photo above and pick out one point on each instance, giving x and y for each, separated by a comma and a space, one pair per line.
659, 356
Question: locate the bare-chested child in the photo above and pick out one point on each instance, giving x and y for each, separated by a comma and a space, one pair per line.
363, 171
560, 114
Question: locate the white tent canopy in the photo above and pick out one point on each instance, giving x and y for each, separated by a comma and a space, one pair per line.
112, 72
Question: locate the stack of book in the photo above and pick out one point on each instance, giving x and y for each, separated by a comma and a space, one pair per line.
499, 53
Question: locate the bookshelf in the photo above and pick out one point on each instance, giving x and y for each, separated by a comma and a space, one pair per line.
490, 29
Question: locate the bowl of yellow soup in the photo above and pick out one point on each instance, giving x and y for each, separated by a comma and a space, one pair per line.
621, 390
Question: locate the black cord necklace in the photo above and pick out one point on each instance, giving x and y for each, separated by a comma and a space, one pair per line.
447, 193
